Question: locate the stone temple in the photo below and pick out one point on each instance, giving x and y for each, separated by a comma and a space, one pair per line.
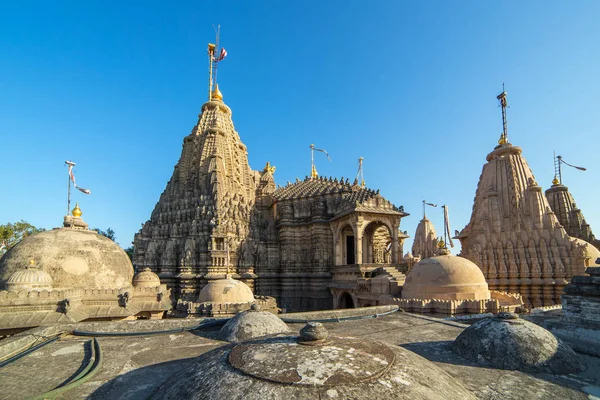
514, 236
218, 216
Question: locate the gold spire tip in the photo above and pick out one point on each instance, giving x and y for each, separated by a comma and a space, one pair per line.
313, 172
216, 94
555, 181
32, 262
77, 211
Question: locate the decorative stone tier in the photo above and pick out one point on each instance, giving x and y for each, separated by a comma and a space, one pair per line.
580, 320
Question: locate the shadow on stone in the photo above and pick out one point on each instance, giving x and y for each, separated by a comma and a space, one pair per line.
141, 382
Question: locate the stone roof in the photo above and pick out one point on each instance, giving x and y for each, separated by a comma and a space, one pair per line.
356, 197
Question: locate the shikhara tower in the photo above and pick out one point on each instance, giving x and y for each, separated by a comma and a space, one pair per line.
514, 236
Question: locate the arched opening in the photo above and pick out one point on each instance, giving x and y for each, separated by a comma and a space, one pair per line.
346, 301
377, 243
348, 245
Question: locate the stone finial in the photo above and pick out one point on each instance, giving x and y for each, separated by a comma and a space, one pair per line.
313, 333
255, 307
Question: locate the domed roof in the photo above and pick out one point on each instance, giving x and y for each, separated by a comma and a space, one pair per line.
445, 277
146, 278
74, 258
590, 250
312, 366
508, 342
29, 278
226, 291
252, 324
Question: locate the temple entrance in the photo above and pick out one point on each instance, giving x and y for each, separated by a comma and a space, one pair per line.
346, 301
350, 250
377, 244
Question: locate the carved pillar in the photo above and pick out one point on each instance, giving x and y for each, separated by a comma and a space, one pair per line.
395, 245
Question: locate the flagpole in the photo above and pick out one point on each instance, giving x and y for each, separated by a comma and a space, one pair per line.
218, 32
69, 193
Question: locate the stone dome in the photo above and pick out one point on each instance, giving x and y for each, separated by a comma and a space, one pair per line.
252, 324
226, 291
312, 366
29, 278
445, 277
146, 278
74, 258
508, 342
590, 251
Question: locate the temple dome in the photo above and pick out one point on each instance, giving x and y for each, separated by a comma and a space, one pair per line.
74, 258
445, 277
251, 324
315, 365
508, 342
29, 278
590, 251
146, 278
226, 291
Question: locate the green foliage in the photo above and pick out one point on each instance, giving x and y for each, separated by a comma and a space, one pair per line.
13, 233
129, 252
109, 233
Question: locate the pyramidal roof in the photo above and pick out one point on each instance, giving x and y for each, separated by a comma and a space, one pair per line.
425, 241
355, 197
513, 235
211, 193
564, 207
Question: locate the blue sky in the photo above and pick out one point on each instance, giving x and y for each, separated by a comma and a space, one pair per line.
409, 86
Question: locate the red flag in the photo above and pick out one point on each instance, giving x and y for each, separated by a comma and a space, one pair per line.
222, 54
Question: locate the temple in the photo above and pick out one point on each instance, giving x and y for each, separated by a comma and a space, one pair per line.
217, 216
514, 236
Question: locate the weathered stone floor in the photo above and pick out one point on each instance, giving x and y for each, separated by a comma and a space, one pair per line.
134, 366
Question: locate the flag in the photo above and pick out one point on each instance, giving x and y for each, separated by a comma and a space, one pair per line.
222, 55
431, 204
312, 146
72, 177
447, 225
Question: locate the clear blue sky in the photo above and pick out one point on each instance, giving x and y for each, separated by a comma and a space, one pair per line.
409, 86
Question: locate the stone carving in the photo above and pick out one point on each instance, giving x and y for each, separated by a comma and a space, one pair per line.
526, 249
218, 216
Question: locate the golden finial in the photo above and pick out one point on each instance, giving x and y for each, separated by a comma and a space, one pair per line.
32, 262
269, 168
441, 244
555, 181
502, 139
313, 172
77, 211
216, 94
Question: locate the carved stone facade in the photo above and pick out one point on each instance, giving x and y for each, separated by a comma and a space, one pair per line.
515, 237
217, 215
564, 207
425, 243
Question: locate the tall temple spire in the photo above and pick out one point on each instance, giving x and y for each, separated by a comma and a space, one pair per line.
504, 104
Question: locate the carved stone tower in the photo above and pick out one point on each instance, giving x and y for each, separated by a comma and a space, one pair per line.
513, 235
562, 203
196, 229
426, 242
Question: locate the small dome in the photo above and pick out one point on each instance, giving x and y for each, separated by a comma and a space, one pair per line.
74, 258
313, 366
590, 251
29, 278
445, 277
226, 291
252, 324
508, 342
146, 278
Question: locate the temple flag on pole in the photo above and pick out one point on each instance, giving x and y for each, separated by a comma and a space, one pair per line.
72, 176
323, 151
222, 54
447, 225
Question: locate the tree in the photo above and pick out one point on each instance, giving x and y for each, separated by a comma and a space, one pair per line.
109, 233
13, 233
129, 252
